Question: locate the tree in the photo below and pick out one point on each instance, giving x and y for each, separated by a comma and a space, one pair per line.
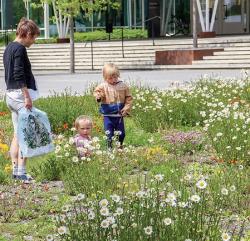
66, 10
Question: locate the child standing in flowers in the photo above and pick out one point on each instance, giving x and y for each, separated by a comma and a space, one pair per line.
116, 102
21, 86
82, 139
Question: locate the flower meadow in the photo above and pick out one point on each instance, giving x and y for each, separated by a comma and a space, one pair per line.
182, 175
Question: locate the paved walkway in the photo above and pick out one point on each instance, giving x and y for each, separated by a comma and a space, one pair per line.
161, 79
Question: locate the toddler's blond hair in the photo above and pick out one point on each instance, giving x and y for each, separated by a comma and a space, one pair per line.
110, 70
83, 118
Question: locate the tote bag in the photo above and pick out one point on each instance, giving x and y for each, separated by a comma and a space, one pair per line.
34, 132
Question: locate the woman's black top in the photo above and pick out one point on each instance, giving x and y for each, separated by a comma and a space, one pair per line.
17, 67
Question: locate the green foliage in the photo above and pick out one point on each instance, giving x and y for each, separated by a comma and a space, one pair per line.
5, 169
62, 109
101, 35
46, 41
49, 169
116, 35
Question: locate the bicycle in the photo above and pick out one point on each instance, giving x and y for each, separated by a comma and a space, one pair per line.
177, 26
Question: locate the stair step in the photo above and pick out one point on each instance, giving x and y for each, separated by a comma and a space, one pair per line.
234, 53
80, 56
220, 66
220, 61
47, 61
237, 49
226, 57
89, 63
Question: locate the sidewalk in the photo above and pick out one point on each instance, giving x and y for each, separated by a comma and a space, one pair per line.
160, 79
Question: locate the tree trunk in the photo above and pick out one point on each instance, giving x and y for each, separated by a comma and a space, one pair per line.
72, 47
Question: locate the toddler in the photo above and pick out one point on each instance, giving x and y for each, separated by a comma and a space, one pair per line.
82, 139
116, 102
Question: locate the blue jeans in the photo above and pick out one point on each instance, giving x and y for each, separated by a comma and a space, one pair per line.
112, 124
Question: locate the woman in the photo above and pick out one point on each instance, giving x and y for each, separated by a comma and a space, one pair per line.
21, 86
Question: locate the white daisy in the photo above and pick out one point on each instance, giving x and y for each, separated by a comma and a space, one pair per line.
148, 230
225, 237
91, 215
115, 198
119, 211
49, 237
62, 230
224, 191
232, 188
104, 203
28, 238
95, 139
195, 198
71, 141
111, 219
140, 194
183, 204
65, 208
171, 197
80, 196
167, 221
201, 184
104, 211
134, 225
75, 159
159, 177
188, 177
105, 223
57, 149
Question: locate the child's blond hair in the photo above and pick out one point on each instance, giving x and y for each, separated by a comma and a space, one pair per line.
83, 118
110, 70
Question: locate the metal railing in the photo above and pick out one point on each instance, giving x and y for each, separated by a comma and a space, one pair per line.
150, 20
5, 36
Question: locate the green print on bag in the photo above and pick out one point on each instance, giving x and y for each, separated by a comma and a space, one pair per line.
36, 135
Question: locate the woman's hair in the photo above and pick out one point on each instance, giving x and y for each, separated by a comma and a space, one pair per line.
27, 27
110, 70
83, 118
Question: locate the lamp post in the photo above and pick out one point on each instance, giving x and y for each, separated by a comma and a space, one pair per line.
195, 41
2, 27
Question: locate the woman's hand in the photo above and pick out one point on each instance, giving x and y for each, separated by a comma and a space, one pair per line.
27, 103
27, 99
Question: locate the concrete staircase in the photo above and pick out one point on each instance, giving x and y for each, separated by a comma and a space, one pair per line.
237, 56
137, 54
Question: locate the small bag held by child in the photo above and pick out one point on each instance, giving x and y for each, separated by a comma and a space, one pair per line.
34, 132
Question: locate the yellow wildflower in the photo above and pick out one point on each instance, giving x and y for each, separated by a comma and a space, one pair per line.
4, 148
8, 168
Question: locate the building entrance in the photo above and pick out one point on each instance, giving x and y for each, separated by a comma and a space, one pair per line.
233, 17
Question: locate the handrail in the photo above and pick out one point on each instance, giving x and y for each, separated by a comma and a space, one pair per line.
5, 37
152, 18
153, 32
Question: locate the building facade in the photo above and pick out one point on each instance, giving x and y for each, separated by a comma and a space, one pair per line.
161, 17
